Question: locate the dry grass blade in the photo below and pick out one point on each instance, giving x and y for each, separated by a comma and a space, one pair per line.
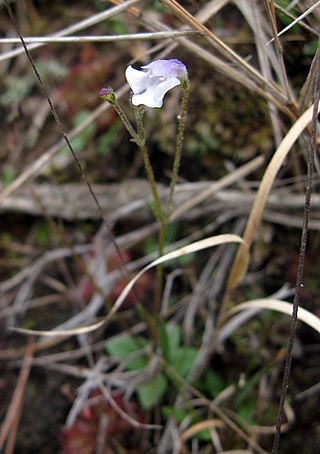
296, 21
218, 64
239, 267
223, 182
76, 27
98, 39
237, 451
184, 15
279, 50
280, 306
203, 425
287, 13
39, 164
189, 249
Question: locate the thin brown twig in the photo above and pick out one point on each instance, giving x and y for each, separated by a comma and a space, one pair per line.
10, 425
302, 255
269, 4
67, 141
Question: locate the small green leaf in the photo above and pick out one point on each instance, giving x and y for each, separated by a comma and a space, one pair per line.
182, 359
174, 335
213, 383
43, 234
8, 174
203, 435
124, 346
246, 411
151, 392
177, 413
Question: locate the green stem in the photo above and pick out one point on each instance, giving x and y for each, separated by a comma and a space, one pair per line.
161, 218
179, 144
127, 123
108, 95
139, 111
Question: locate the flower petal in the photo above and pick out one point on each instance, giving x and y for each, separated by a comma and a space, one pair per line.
150, 86
136, 79
147, 99
164, 87
167, 68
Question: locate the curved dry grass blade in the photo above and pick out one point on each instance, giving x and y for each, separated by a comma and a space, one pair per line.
58, 333
193, 247
240, 264
199, 426
280, 306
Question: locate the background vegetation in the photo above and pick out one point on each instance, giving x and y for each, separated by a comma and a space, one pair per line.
201, 370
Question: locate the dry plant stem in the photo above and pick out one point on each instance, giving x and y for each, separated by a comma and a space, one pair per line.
240, 263
85, 23
11, 421
295, 19
60, 233
217, 63
184, 15
182, 384
133, 422
299, 20
67, 141
99, 39
43, 161
269, 4
206, 243
303, 245
225, 181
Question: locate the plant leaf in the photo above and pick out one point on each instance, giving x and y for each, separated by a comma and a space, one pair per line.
124, 346
150, 393
182, 359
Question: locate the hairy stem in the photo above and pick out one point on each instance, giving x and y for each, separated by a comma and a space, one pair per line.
179, 144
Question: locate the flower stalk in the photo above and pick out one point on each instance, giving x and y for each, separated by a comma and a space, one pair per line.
185, 86
149, 87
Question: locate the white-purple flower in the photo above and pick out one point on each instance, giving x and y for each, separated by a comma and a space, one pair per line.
151, 84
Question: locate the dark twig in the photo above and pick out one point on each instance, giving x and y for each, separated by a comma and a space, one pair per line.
68, 143
302, 254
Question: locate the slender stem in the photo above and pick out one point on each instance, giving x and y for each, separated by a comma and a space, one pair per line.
108, 95
126, 123
179, 144
302, 254
139, 111
161, 218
